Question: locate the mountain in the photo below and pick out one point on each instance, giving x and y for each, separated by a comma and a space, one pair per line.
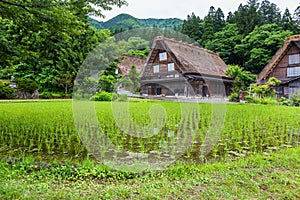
125, 22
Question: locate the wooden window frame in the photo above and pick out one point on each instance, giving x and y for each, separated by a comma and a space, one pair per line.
156, 69
171, 67
163, 56
294, 59
293, 71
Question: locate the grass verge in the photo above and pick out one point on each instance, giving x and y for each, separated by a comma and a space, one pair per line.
274, 176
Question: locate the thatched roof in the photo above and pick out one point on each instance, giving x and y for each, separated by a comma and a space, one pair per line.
190, 58
277, 57
129, 60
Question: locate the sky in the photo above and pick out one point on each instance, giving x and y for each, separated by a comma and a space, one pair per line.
181, 8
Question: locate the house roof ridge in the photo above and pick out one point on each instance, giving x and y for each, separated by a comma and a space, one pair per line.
293, 37
276, 57
186, 44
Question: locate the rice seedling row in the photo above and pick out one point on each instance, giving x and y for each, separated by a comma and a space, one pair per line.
47, 130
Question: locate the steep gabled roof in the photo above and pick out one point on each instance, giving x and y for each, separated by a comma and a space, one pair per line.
190, 58
278, 56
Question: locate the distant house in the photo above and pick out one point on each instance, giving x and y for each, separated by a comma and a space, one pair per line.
178, 68
128, 61
285, 66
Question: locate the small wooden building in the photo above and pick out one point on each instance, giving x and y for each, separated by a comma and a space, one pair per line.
285, 66
182, 69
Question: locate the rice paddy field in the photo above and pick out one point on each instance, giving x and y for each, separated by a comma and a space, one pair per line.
47, 129
61, 133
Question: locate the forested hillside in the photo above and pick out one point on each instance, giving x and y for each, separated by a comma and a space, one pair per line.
248, 37
124, 22
47, 41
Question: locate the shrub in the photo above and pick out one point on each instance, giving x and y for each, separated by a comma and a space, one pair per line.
284, 101
102, 96
295, 98
249, 99
234, 97
6, 92
46, 95
269, 101
26, 85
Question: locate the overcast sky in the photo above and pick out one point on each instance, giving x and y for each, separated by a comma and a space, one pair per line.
181, 8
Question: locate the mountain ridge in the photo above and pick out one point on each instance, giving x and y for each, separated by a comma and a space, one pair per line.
126, 21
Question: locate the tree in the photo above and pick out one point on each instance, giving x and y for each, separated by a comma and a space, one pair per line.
49, 40
241, 78
287, 21
260, 45
219, 20
109, 77
224, 43
248, 16
296, 18
192, 28
208, 31
229, 18
270, 12
131, 81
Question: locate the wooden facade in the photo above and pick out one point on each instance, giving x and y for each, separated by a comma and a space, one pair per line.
285, 66
180, 69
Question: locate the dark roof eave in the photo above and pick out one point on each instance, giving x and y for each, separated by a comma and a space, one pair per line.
210, 77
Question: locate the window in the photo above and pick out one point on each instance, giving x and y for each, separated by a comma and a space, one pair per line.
171, 67
163, 56
156, 68
293, 71
294, 59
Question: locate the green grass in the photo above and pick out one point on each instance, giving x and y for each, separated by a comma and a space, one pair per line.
256, 154
274, 176
46, 129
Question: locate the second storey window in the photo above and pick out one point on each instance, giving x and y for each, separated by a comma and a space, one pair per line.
294, 59
293, 71
156, 68
163, 56
171, 67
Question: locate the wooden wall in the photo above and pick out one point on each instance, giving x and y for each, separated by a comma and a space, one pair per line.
280, 71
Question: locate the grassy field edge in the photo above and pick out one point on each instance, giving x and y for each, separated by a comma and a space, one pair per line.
274, 176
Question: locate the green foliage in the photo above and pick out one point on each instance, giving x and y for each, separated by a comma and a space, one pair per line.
260, 45
249, 99
250, 36
107, 83
247, 17
26, 85
268, 89
125, 22
234, 97
139, 53
285, 101
272, 82
224, 43
295, 98
192, 27
6, 92
131, 81
102, 96
47, 41
46, 95
241, 78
